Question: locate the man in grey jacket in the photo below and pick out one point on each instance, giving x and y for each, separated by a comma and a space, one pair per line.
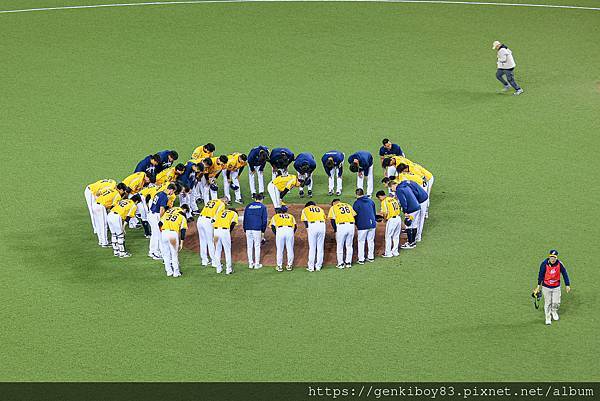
506, 65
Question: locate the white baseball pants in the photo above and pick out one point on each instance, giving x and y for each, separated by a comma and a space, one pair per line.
551, 300
393, 229
304, 177
223, 244
235, 180
335, 178
253, 238
284, 238
169, 244
344, 237
100, 223
422, 214
367, 236
154, 247
117, 235
360, 181
90, 199
316, 245
188, 199
260, 178
206, 241
274, 194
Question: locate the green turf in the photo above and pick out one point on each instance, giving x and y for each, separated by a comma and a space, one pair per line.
87, 93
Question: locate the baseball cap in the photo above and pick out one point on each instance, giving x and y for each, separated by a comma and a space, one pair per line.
496, 43
553, 252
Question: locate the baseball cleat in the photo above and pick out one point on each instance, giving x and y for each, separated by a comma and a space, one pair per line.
348, 265
289, 268
228, 271
318, 269
156, 257
310, 269
170, 274
370, 260
330, 193
386, 256
396, 254
253, 195
555, 315
360, 262
406, 245
338, 193
340, 266
250, 266
301, 193
517, 93
279, 269
176, 274
309, 193
147, 236
548, 321
238, 201
124, 255
257, 266
219, 269
506, 88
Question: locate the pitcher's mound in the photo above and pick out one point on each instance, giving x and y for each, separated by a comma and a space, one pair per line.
268, 250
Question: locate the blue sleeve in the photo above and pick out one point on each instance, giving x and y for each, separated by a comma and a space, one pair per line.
245, 224
563, 271
541, 273
356, 207
265, 218
374, 209
402, 200
141, 166
382, 151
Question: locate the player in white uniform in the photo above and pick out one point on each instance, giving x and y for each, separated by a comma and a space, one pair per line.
284, 226
120, 214
342, 219
92, 191
224, 223
390, 211
314, 220
205, 227
173, 225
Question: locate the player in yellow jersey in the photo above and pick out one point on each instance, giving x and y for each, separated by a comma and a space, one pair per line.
284, 226
342, 220
391, 211
208, 183
205, 228
120, 213
224, 224
427, 182
234, 167
170, 174
107, 198
314, 220
159, 203
280, 186
91, 192
203, 151
136, 181
173, 225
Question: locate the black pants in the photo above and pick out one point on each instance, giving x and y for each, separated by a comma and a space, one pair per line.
509, 76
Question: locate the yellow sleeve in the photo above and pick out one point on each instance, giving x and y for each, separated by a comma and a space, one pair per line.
290, 184
273, 221
293, 220
384, 207
353, 211
220, 208
303, 215
331, 214
184, 224
132, 210
236, 218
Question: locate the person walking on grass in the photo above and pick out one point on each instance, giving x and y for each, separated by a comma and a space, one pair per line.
506, 66
549, 283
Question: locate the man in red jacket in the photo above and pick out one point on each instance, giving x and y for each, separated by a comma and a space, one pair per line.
549, 283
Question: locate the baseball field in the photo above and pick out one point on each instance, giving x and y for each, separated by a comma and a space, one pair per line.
87, 93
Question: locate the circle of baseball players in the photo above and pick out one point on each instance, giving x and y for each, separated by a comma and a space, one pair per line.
147, 198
